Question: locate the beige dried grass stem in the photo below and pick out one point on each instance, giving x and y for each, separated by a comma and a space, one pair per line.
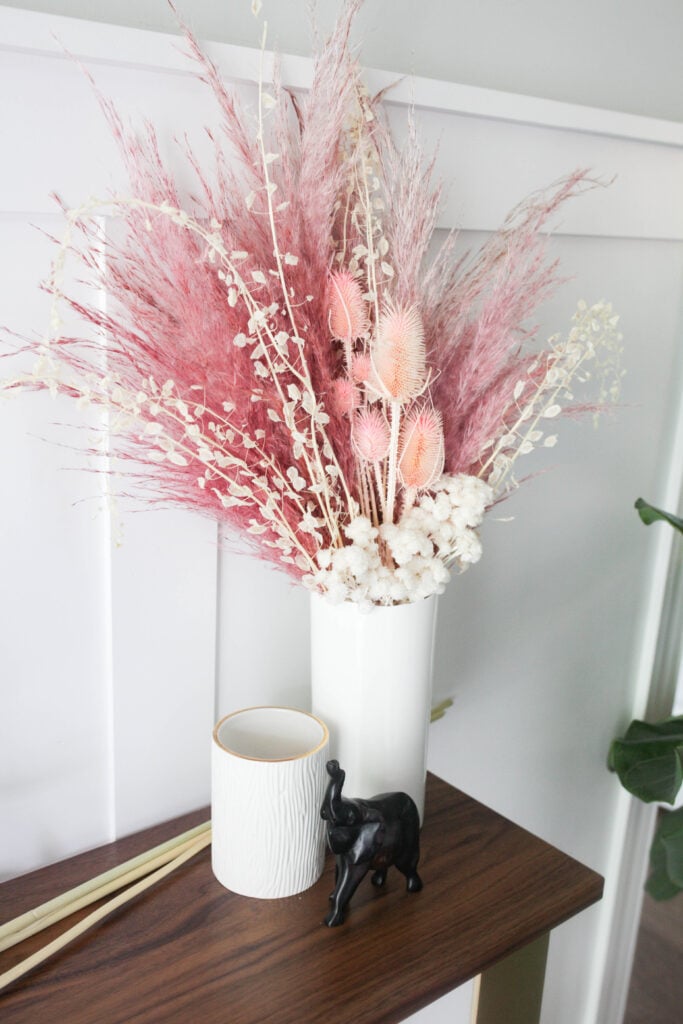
439, 710
54, 910
77, 930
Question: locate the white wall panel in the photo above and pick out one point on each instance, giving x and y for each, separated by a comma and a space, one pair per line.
163, 641
54, 696
543, 645
263, 637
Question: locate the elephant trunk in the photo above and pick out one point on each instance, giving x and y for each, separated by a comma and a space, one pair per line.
333, 797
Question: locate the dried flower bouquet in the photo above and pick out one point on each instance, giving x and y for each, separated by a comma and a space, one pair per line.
282, 355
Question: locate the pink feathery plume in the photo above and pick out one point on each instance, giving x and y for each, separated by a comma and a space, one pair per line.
474, 311
322, 116
411, 208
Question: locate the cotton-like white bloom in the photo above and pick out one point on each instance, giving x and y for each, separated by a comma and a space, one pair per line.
469, 548
408, 560
360, 530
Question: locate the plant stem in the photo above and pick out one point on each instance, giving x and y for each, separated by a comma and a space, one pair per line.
393, 460
439, 710
380, 488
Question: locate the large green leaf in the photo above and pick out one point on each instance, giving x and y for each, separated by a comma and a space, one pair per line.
649, 514
666, 857
649, 759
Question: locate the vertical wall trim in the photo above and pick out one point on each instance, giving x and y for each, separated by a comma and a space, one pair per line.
107, 514
220, 544
107, 517
655, 682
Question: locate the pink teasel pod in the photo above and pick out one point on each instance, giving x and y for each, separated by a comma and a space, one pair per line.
421, 457
371, 435
348, 315
398, 353
343, 397
361, 368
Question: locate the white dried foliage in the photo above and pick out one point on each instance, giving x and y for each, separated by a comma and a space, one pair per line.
592, 351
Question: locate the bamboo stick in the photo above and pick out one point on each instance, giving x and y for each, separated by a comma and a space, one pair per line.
93, 895
76, 930
66, 900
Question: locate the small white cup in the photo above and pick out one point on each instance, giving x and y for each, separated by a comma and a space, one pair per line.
267, 785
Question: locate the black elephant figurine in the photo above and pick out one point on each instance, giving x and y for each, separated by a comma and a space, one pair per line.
364, 834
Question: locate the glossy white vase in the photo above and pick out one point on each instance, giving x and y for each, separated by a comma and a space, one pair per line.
371, 683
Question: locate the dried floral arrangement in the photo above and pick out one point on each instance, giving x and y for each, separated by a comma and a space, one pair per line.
282, 355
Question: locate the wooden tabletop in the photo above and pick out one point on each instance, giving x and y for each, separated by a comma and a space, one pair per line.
187, 950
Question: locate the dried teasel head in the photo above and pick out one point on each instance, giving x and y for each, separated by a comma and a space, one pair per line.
421, 456
361, 369
371, 435
348, 316
398, 353
343, 397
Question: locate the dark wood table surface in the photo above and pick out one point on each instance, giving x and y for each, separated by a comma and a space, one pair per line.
187, 950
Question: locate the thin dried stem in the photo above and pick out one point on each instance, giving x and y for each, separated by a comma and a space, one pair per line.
98, 888
105, 910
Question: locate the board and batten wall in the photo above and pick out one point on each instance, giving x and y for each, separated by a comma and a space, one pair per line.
124, 632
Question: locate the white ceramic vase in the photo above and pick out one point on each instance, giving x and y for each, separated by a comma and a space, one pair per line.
371, 676
268, 779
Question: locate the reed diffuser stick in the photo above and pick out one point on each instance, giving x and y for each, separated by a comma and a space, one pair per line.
24, 966
95, 888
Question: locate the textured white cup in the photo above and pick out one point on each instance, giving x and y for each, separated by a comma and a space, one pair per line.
267, 785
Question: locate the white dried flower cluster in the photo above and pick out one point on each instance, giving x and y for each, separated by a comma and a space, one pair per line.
432, 535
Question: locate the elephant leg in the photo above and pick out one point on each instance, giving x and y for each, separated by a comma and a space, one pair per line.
414, 882
408, 867
379, 877
351, 875
336, 880
408, 862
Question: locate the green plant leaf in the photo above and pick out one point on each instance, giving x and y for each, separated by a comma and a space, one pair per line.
649, 759
666, 857
671, 834
649, 514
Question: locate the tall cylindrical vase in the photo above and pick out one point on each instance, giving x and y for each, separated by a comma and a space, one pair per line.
371, 674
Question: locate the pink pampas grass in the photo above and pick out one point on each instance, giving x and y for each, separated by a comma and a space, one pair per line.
283, 355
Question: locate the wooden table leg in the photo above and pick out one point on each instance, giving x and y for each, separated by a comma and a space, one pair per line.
511, 991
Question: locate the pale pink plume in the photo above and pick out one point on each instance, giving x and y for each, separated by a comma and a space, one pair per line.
421, 457
371, 435
348, 312
398, 353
